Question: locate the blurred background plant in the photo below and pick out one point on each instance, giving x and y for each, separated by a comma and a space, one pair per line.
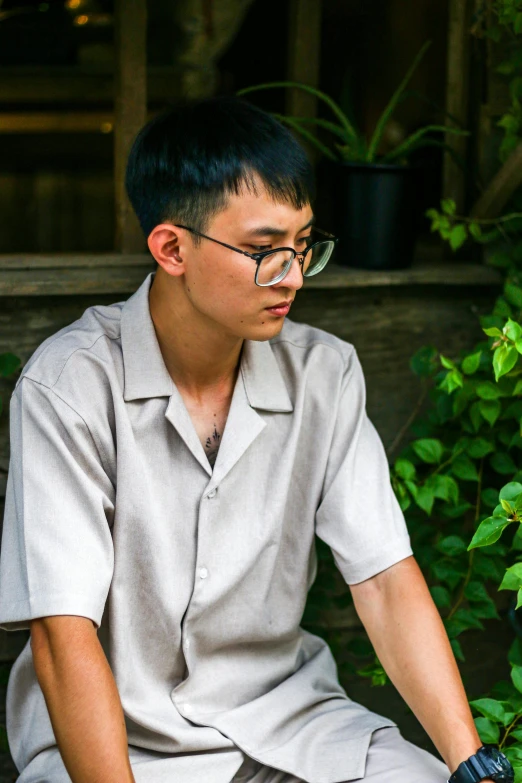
353, 144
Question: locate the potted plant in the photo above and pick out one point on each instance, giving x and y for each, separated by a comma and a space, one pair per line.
375, 199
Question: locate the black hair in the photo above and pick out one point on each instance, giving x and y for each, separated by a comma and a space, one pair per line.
185, 162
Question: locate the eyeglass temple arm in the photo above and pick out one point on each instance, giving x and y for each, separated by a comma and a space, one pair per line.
217, 241
324, 233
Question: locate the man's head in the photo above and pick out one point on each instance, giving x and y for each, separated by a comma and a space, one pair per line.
187, 162
225, 168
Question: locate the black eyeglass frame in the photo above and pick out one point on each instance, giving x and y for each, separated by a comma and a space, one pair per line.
258, 257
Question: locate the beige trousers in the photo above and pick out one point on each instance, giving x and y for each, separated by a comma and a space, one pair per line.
390, 759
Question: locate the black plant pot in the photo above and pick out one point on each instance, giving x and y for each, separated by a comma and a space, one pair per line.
375, 213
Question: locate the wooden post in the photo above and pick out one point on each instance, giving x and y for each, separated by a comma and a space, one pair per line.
130, 110
457, 96
304, 46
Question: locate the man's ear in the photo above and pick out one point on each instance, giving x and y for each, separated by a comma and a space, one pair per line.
166, 245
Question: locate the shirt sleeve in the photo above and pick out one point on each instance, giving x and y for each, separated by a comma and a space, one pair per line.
359, 516
57, 553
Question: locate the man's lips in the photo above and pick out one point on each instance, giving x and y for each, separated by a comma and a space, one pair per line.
280, 304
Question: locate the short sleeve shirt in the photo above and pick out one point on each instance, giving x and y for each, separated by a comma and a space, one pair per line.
196, 576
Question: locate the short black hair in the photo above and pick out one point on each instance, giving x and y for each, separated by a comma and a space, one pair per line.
186, 161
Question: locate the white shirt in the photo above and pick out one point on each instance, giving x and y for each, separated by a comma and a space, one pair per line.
198, 577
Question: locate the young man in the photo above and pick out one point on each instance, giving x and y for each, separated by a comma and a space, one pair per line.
173, 457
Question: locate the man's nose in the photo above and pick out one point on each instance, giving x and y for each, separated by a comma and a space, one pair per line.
294, 276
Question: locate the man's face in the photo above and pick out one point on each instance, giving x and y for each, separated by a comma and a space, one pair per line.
220, 282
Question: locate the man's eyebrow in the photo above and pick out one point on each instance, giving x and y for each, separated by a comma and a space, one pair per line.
270, 231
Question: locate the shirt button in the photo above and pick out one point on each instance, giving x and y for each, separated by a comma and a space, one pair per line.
203, 573
212, 493
187, 643
187, 707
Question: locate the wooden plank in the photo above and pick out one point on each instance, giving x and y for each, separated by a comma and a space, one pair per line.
501, 188
81, 86
56, 122
86, 275
18, 261
304, 49
457, 96
130, 110
46, 282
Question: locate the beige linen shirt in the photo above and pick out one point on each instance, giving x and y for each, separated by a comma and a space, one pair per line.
197, 577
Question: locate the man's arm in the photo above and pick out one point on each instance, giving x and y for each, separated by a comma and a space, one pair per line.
82, 699
410, 641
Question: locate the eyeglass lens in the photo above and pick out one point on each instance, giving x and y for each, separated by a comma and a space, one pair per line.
275, 266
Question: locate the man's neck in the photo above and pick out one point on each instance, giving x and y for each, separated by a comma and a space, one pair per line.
200, 361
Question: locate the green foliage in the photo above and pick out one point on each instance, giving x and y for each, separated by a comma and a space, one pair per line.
468, 540
349, 143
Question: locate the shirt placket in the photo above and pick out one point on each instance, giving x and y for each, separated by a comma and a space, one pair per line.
201, 593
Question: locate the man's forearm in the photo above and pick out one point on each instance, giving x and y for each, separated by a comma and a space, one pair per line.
82, 700
409, 638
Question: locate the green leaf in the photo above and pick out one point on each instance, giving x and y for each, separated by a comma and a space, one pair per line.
489, 497
504, 359
486, 610
515, 653
448, 206
475, 230
443, 487
429, 450
405, 469
487, 390
512, 330
471, 363
490, 708
468, 619
463, 468
351, 133
512, 578
452, 546
479, 447
424, 361
9, 363
492, 331
392, 105
513, 294
441, 597
488, 731
512, 492
475, 416
476, 592
447, 571
447, 363
490, 410
516, 677
425, 499
458, 236
502, 463
507, 507
489, 531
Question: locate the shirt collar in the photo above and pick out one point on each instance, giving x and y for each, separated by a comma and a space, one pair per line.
147, 376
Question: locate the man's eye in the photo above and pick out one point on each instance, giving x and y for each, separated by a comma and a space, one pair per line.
304, 240
260, 248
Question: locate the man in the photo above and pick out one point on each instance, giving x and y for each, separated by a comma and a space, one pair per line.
173, 457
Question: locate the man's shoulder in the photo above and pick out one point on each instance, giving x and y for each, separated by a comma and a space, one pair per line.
305, 343
78, 356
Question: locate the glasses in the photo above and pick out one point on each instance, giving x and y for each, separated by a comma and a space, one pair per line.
274, 265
